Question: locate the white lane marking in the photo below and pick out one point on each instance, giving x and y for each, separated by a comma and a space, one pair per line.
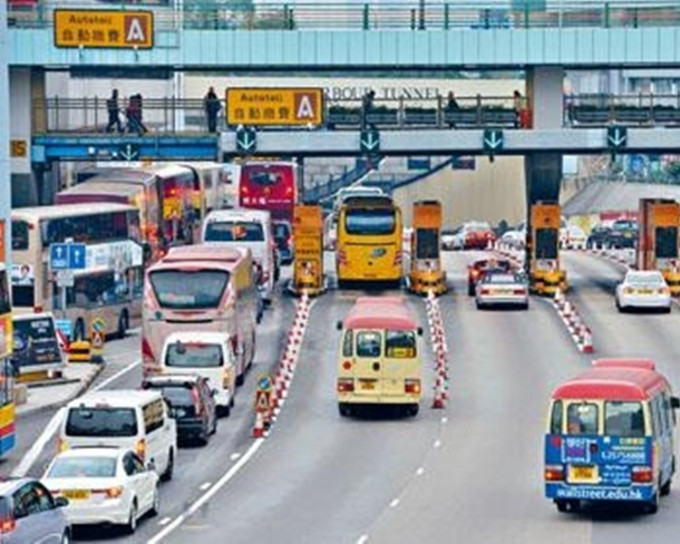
394, 503
362, 539
235, 456
420, 471
118, 374
437, 443
205, 486
51, 428
164, 521
208, 494
37, 447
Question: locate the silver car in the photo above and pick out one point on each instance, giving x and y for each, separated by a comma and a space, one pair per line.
500, 288
30, 514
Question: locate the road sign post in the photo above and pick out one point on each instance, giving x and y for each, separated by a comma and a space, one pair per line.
263, 398
65, 258
97, 339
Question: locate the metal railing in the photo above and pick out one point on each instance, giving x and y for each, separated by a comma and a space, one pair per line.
171, 115
596, 110
494, 14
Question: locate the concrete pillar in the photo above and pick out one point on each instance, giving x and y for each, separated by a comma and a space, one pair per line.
27, 86
5, 180
545, 89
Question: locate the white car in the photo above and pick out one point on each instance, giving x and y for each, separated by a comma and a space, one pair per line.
103, 485
516, 239
502, 289
449, 238
643, 289
573, 237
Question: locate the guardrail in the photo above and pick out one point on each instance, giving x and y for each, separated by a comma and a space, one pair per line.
416, 16
596, 110
173, 115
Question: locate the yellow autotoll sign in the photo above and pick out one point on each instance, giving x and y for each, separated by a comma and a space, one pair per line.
103, 28
274, 106
18, 148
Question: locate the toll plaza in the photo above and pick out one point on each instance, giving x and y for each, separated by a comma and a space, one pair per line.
308, 271
657, 247
425, 274
545, 272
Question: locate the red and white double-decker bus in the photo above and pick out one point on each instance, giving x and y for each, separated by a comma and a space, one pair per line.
270, 186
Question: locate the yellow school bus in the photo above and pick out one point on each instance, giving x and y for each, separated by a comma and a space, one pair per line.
369, 247
657, 247
545, 272
425, 270
379, 361
308, 249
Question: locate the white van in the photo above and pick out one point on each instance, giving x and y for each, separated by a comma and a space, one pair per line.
136, 420
246, 228
208, 354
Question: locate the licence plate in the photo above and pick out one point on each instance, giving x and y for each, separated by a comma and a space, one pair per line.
583, 474
503, 291
77, 494
645, 291
369, 385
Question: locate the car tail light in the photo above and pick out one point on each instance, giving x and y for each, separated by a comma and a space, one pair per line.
38, 309
113, 492
519, 292
140, 448
289, 190
553, 473
197, 401
486, 291
642, 475
412, 387
7, 525
345, 385
244, 189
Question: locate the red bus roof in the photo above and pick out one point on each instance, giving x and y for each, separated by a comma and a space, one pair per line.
380, 313
614, 379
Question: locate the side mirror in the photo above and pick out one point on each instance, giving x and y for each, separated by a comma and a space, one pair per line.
338, 325
151, 466
675, 403
419, 330
61, 502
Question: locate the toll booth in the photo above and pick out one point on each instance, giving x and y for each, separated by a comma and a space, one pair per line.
545, 271
425, 272
657, 247
308, 273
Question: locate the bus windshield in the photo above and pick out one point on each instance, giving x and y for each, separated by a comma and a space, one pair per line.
370, 222
189, 290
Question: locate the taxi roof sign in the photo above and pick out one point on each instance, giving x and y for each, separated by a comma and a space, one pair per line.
274, 106
98, 28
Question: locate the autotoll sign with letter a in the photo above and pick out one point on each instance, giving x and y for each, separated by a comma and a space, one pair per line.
274, 107
103, 28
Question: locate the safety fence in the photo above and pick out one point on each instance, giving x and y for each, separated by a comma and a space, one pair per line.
440, 350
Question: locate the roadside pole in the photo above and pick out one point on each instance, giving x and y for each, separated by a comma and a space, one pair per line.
5, 177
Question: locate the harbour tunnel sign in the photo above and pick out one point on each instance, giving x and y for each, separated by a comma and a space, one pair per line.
103, 29
274, 106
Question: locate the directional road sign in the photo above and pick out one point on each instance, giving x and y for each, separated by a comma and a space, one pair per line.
617, 137
246, 140
493, 140
67, 256
369, 142
129, 152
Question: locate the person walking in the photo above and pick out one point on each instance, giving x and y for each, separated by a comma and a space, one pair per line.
452, 107
212, 106
114, 112
366, 107
134, 115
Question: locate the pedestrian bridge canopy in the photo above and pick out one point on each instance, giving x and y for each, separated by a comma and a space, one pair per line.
343, 36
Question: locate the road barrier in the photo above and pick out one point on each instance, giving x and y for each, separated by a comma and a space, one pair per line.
440, 350
580, 333
617, 256
285, 370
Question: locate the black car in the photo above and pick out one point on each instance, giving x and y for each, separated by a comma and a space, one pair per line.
191, 404
598, 237
283, 235
623, 234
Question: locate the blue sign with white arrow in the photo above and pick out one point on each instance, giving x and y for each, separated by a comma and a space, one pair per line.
493, 140
67, 256
617, 137
246, 140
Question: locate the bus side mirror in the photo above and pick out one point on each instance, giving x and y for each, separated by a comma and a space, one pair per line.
419, 331
675, 403
338, 325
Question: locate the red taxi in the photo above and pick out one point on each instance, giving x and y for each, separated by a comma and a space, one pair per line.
478, 268
477, 235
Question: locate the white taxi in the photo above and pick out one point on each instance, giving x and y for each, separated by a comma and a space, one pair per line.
500, 288
103, 485
643, 289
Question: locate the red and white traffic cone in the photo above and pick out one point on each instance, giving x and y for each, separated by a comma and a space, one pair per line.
258, 430
587, 340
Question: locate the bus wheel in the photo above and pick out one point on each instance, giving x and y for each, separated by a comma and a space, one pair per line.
412, 410
79, 330
123, 325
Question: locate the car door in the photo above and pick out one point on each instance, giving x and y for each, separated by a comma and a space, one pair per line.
37, 520
145, 482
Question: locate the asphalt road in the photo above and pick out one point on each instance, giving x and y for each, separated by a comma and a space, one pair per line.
470, 473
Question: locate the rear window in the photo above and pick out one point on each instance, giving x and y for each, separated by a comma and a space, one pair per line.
370, 222
582, 418
369, 344
501, 279
83, 467
645, 279
624, 419
234, 231
189, 290
400, 344
101, 422
194, 356
176, 395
